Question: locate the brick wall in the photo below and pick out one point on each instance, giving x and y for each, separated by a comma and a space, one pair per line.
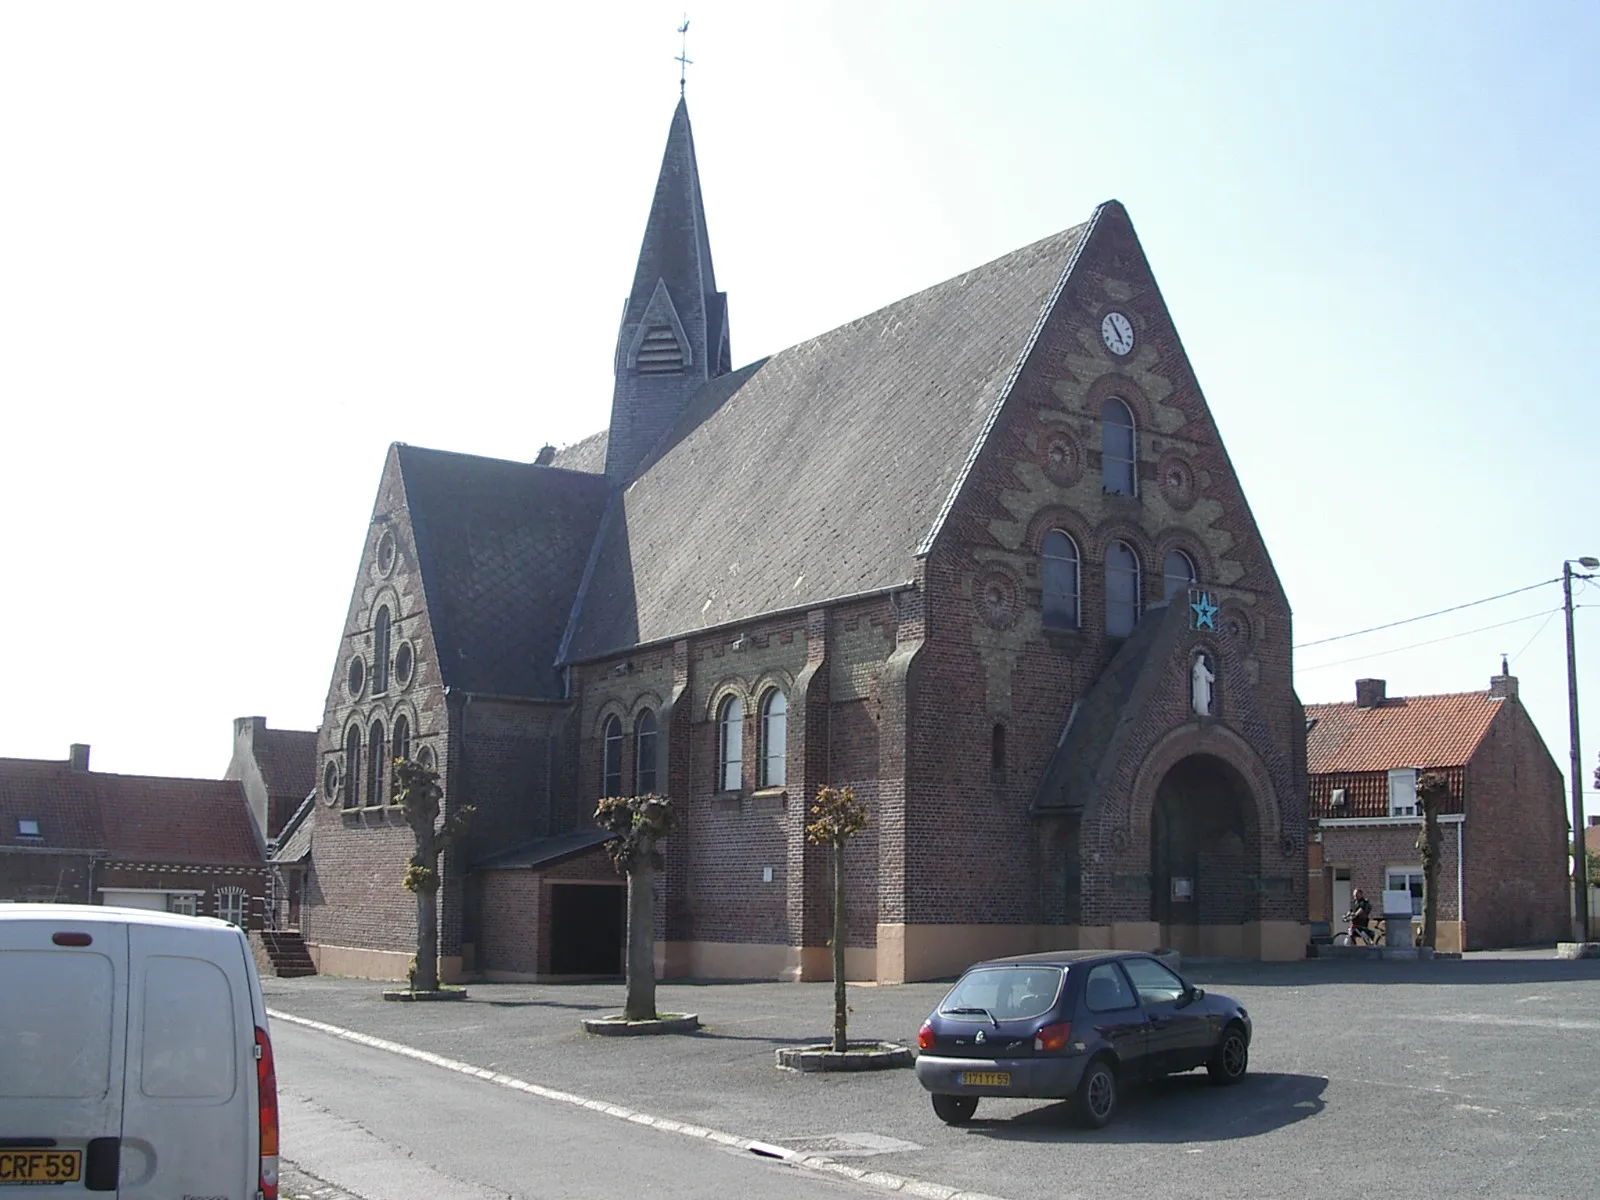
1369, 850
58, 878
1517, 828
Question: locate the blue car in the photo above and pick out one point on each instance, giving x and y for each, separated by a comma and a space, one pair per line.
1074, 1024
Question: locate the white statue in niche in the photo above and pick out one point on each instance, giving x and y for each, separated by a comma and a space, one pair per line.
1201, 679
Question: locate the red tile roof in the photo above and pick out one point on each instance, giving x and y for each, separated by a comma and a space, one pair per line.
1402, 731
133, 818
288, 761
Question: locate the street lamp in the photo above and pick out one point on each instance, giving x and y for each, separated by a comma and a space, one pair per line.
1580, 864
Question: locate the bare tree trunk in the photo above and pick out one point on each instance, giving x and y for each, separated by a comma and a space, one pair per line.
640, 1004
427, 976
1430, 875
840, 1015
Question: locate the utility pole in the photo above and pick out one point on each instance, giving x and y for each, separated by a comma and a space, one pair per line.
1580, 863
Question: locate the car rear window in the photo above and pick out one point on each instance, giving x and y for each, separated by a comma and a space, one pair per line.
55, 1036
1006, 993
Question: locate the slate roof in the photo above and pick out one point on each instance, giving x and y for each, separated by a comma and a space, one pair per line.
819, 472
589, 455
287, 759
501, 547
294, 839
541, 852
128, 817
1402, 731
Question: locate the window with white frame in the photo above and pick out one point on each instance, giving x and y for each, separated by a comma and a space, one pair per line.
28, 828
1122, 589
181, 902
611, 784
1059, 576
730, 744
1403, 792
232, 903
1117, 453
774, 738
644, 753
1177, 574
1406, 879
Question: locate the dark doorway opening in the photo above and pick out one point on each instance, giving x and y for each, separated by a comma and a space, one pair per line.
1203, 846
588, 926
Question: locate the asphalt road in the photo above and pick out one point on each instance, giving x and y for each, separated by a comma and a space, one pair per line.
1467, 1078
382, 1126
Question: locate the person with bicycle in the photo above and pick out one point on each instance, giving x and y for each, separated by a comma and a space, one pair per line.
1359, 918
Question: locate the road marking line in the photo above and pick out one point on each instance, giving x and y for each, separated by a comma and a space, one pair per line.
810, 1162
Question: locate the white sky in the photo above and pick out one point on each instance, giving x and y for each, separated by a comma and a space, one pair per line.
243, 248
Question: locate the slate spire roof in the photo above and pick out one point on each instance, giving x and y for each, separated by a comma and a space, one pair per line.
674, 333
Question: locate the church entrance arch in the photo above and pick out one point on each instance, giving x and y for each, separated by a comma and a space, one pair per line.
1205, 851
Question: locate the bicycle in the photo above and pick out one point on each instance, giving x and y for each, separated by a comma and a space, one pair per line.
1375, 934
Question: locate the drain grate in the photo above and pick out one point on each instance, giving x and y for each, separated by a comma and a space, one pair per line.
848, 1145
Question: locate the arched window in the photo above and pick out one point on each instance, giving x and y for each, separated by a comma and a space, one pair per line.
402, 737
730, 744
997, 748
1117, 455
1178, 574
380, 652
1122, 589
611, 785
644, 753
1060, 578
774, 739
352, 767
377, 745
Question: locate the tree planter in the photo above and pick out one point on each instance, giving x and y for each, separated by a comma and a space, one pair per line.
861, 1056
440, 994
620, 1026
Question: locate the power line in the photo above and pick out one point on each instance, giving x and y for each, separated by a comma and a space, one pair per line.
1543, 626
1425, 616
1449, 637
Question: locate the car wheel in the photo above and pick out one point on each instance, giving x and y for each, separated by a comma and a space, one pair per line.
1231, 1059
1097, 1094
955, 1110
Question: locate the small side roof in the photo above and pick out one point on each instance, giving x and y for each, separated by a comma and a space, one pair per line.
542, 852
1399, 731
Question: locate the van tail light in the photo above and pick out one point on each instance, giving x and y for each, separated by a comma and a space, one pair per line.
1053, 1037
267, 1104
925, 1036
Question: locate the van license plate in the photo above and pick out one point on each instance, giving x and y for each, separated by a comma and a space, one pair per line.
41, 1166
986, 1078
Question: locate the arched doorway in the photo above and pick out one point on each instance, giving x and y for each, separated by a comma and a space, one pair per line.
1204, 853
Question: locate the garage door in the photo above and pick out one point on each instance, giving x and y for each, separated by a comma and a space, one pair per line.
155, 901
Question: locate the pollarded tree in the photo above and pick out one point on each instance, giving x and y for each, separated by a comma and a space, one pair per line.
1433, 792
837, 817
638, 823
417, 792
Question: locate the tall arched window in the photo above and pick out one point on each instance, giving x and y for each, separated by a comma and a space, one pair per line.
730, 744
377, 745
997, 748
352, 767
380, 652
1122, 589
1178, 574
1059, 573
611, 785
644, 753
402, 737
774, 739
1117, 455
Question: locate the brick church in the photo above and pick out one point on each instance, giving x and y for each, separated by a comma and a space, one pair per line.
979, 555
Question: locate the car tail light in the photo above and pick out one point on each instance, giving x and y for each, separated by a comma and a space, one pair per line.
1053, 1037
72, 939
267, 1104
925, 1036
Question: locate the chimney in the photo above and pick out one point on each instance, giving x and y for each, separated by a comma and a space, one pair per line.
1504, 685
1370, 692
78, 757
254, 724
547, 455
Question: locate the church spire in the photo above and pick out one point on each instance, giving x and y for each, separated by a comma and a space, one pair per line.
674, 333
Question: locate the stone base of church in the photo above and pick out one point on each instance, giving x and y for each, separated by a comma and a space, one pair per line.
752, 960
1268, 941
354, 962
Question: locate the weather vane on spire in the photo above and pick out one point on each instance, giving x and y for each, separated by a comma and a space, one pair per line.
683, 60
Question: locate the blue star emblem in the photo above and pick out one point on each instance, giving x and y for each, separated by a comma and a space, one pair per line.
1205, 612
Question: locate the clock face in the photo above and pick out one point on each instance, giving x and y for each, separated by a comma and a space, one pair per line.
1117, 331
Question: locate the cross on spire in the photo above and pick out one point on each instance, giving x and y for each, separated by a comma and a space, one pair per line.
683, 60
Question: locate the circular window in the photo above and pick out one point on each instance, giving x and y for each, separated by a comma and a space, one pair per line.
356, 677
404, 660
425, 757
330, 782
386, 552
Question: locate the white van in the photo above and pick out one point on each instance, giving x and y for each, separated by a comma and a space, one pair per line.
134, 1057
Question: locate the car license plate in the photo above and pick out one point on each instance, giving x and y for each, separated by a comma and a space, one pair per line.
41, 1166
986, 1078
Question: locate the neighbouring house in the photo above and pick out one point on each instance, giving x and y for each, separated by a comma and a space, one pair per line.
980, 556
278, 769
1503, 872
78, 836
